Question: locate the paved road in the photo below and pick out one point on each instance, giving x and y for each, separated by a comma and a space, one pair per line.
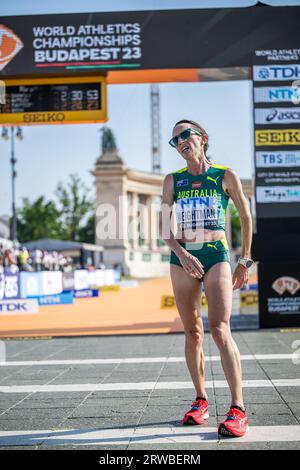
130, 392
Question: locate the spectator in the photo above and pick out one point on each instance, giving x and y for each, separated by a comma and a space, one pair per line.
37, 257
24, 260
10, 261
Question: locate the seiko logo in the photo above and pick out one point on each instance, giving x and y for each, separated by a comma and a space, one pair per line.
44, 117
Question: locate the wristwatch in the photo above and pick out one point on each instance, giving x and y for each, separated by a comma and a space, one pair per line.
246, 262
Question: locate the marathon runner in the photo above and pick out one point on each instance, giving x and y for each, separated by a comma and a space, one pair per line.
199, 253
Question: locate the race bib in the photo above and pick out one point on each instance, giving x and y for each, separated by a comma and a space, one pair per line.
196, 212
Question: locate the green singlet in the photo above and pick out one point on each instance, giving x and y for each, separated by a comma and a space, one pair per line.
200, 199
201, 203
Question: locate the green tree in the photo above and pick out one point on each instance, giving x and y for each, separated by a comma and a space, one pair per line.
235, 226
40, 219
87, 233
75, 208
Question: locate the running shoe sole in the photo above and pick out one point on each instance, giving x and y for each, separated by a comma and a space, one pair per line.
191, 422
223, 431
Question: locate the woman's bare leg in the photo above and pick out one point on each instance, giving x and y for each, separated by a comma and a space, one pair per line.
187, 292
218, 290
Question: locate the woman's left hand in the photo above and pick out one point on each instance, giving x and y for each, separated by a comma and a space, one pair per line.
240, 277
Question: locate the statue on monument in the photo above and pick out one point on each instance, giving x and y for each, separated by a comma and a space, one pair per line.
108, 140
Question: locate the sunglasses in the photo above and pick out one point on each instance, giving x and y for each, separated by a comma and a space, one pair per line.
184, 135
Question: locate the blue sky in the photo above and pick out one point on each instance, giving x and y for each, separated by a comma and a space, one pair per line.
49, 154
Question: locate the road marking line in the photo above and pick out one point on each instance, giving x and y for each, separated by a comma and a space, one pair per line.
142, 386
139, 360
145, 435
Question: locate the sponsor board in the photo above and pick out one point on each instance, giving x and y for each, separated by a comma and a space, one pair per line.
279, 295
40, 283
277, 115
284, 194
274, 177
86, 293
58, 299
9, 286
68, 281
279, 137
263, 73
19, 307
112, 288
81, 279
273, 55
168, 301
248, 298
277, 159
280, 94
52, 282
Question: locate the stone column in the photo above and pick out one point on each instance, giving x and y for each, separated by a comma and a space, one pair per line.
153, 222
134, 222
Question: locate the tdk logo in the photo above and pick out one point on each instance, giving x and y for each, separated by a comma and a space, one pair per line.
276, 72
182, 182
12, 307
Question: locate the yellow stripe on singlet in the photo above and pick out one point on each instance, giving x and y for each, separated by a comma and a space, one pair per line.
224, 243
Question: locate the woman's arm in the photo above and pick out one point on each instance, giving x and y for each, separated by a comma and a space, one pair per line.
233, 187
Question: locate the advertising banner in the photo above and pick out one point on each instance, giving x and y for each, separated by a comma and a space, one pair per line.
168, 39
68, 281
86, 293
81, 279
279, 294
40, 283
9, 286
58, 299
19, 307
52, 282
276, 99
31, 284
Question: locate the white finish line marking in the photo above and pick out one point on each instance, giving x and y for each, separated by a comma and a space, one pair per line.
141, 360
145, 435
83, 387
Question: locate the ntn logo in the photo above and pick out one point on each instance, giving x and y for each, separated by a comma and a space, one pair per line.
281, 93
196, 201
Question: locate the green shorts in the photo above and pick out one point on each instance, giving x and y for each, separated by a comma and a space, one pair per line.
208, 253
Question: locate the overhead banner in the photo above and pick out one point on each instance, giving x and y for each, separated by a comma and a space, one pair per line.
170, 39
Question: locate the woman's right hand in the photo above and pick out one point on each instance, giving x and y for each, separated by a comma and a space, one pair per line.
191, 265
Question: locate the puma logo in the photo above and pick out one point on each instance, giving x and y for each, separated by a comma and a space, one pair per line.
212, 246
213, 179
